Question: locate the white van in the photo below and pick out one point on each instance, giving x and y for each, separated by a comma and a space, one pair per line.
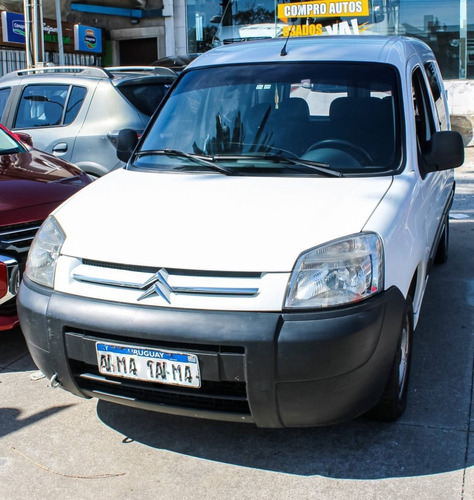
264, 254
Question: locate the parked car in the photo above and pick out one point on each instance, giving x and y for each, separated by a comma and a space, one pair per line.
32, 184
177, 63
75, 112
264, 255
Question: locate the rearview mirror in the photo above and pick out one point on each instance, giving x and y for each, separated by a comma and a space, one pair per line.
445, 150
127, 140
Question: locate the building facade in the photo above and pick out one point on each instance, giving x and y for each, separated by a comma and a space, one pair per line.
447, 26
142, 31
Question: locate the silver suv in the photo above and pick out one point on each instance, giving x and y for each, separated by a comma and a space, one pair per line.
75, 112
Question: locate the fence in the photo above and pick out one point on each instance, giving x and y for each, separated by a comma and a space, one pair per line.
12, 60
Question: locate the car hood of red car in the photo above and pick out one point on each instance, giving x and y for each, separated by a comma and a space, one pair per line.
33, 183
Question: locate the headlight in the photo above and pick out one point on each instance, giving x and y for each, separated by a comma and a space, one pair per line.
44, 253
343, 271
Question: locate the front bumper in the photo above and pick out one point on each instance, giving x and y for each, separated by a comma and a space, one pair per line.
274, 369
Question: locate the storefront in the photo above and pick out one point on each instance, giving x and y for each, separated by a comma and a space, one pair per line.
82, 45
448, 27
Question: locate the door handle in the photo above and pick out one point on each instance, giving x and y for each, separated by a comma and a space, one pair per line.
60, 148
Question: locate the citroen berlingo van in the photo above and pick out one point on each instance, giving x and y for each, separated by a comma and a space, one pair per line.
264, 254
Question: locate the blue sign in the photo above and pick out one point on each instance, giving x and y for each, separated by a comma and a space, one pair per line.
87, 39
13, 27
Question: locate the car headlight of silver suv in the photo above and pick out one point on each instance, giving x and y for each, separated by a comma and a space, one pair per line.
44, 253
340, 272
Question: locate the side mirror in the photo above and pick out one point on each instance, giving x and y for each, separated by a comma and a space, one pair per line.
24, 137
215, 19
127, 140
444, 151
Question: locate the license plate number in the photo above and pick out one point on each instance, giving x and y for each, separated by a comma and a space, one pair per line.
148, 364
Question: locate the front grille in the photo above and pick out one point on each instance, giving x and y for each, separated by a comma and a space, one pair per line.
228, 396
194, 348
18, 237
182, 272
211, 396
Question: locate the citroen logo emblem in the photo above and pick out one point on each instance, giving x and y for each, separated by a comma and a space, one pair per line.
158, 284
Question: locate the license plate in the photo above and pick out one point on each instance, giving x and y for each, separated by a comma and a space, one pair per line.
147, 364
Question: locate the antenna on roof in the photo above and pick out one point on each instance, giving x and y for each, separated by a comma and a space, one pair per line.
283, 51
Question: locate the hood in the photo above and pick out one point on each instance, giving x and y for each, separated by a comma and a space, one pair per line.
32, 184
212, 221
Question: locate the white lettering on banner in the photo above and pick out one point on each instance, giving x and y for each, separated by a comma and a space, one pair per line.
342, 8
343, 28
322, 8
305, 10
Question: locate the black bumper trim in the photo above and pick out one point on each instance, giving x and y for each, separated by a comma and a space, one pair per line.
298, 369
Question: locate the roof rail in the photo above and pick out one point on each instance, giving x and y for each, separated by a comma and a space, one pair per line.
156, 70
93, 71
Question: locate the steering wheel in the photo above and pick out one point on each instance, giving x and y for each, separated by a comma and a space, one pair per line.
354, 150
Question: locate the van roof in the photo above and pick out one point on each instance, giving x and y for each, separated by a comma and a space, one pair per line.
367, 48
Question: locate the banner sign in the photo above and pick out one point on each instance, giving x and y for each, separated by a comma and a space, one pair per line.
322, 8
13, 27
87, 38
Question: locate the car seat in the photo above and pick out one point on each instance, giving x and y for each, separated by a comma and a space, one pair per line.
367, 123
291, 123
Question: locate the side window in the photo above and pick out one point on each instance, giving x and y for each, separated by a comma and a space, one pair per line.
435, 87
4, 95
74, 103
423, 116
41, 106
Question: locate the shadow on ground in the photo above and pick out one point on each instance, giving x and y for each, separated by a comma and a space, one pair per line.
13, 348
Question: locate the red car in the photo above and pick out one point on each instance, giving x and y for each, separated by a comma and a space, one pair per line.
32, 185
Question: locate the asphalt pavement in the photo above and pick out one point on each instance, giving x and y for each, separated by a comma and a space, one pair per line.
54, 445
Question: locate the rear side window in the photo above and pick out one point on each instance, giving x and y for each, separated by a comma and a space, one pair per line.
49, 105
435, 87
74, 104
4, 95
145, 96
424, 119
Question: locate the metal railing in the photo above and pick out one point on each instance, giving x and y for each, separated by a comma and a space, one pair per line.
12, 60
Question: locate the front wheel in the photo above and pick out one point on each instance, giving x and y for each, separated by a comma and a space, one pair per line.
394, 398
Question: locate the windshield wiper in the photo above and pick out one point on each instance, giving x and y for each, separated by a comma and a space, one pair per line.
320, 167
316, 166
204, 161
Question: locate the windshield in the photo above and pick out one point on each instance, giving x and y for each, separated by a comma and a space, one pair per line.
251, 118
8, 145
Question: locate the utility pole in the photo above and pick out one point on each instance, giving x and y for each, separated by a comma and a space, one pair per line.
463, 39
60, 32
34, 40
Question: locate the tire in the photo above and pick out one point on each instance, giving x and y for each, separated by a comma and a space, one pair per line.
393, 402
443, 246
